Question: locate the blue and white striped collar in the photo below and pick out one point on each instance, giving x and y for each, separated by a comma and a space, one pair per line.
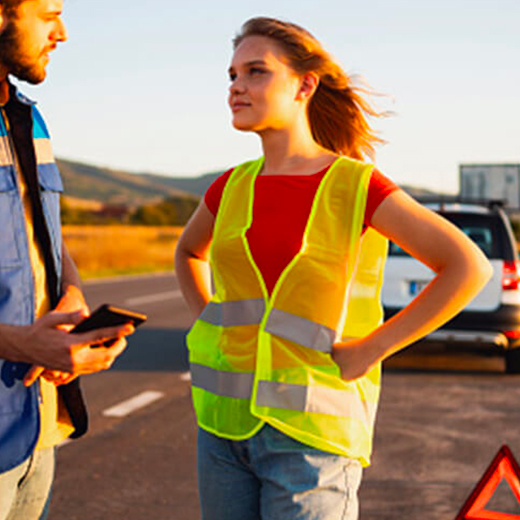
22, 98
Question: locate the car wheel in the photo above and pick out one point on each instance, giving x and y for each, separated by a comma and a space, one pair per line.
512, 356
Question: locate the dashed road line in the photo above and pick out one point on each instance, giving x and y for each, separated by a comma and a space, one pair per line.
151, 298
135, 403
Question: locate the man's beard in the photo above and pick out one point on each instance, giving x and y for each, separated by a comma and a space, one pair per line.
13, 59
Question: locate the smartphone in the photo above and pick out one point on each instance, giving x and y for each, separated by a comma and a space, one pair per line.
108, 316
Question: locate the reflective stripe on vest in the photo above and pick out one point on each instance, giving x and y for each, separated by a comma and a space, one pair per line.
313, 399
220, 382
289, 326
302, 398
300, 330
234, 313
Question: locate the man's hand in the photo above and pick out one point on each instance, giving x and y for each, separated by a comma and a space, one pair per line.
60, 377
72, 300
53, 376
46, 343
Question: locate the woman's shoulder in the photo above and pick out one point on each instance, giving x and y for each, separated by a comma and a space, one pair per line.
214, 192
379, 187
380, 182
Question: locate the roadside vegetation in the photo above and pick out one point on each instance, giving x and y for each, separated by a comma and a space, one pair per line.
111, 239
101, 251
172, 211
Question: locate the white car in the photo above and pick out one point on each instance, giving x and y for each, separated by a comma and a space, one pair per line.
492, 319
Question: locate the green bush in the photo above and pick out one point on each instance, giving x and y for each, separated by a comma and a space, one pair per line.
169, 212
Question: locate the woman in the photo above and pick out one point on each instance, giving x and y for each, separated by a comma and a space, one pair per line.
285, 356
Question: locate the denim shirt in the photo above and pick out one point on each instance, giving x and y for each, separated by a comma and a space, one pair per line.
19, 406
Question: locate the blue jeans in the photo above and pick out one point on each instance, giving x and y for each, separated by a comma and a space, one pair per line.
25, 490
272, 477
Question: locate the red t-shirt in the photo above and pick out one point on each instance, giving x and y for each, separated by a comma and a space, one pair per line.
281, 207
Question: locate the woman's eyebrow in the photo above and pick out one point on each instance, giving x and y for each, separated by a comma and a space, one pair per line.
248, 64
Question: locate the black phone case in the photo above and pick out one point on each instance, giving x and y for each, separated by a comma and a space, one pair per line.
108, 316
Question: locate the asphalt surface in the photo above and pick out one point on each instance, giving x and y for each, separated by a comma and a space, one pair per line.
443, 416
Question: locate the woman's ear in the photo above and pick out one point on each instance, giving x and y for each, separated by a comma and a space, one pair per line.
308, 85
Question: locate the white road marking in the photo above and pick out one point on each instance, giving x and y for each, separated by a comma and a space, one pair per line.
133, 404
151, 298
185, 376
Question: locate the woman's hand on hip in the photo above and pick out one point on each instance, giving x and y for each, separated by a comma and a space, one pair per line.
355, 357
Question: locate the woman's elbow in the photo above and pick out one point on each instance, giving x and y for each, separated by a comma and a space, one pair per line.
484, 271
467, 267
478, 270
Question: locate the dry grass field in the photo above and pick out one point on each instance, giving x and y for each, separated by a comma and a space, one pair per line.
113, 250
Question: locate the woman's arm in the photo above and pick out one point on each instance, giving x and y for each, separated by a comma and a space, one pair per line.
462, 271
191, 259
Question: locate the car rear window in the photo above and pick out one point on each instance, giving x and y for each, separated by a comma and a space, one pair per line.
487, 231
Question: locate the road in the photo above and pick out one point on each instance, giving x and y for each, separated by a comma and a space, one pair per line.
443, 416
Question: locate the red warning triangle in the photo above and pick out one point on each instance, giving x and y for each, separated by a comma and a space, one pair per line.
503, 466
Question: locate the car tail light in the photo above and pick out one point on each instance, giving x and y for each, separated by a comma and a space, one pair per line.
512, 334
511, 275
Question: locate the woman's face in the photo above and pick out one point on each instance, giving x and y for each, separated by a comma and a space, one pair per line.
264, 91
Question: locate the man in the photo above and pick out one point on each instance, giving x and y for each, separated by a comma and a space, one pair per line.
40, 293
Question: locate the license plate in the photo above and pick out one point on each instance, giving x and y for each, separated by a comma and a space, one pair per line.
417, 286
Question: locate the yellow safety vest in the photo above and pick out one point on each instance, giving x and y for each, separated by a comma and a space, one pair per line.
258, 359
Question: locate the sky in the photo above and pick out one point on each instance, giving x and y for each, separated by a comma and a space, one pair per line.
142, 85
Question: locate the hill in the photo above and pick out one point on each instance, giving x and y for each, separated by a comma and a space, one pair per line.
94, 183
195, 185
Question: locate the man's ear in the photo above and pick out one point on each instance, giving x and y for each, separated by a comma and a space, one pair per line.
3, 20
308, 85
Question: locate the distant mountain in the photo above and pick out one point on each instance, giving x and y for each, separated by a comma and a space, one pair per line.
94, 183
195, 185
104, 185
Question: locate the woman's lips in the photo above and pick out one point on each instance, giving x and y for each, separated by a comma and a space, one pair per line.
239, 106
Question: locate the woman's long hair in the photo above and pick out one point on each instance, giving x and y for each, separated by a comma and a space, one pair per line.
337, 111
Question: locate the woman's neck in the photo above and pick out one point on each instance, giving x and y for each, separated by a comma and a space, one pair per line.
292, 152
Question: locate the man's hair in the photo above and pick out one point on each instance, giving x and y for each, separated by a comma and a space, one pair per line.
9, 7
